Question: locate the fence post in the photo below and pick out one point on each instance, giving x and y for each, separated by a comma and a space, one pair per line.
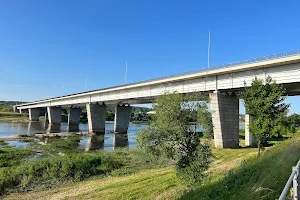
296, 182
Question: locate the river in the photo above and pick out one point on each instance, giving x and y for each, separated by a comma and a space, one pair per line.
109, 142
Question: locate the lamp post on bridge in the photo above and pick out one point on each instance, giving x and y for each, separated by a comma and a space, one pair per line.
208, 50
126, 71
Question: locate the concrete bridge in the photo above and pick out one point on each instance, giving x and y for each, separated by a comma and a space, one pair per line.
221, 84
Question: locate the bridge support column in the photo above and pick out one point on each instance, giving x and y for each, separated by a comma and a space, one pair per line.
96, 117
54, 115
34, 114
74, 116
122, 118
249, 138
24, 111
225, 116
46, 117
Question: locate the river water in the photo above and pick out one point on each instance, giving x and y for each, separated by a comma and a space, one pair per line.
109, 141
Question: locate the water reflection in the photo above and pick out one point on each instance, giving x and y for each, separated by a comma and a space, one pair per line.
120, 140
73, 128
53, 129
108, 141
34, 127
94, 142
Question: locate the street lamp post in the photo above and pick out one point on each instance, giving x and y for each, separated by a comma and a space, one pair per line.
126, 71
208, 50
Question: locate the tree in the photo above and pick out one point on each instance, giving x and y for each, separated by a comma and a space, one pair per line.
170, 136
205, 120
292, 123
264, 101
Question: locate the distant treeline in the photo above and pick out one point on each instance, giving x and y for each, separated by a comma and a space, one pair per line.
137, 114
7, 106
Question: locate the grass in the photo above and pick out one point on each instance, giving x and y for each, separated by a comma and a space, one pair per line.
234, 174
257, 178
12, 116
142, 185
139, 178
42, 174
10, 156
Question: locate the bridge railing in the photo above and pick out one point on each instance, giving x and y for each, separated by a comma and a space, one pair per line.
294, 181
253, 60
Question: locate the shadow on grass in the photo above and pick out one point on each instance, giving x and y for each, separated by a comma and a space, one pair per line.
256, 178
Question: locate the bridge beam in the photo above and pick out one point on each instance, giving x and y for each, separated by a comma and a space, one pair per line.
34, 114
122, 118
74, 116
96, 115
54, 115
225, 116
249, 138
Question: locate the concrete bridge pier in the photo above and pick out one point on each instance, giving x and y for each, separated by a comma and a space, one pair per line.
54, 115
34, 114
74, 116
96, 115
249, 138
46, 117
122, 118
24, 111
225, 116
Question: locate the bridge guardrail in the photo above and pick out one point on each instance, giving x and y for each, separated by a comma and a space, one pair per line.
295, 181
253, 60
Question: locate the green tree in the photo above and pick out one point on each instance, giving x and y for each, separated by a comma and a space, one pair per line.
205, 120
170, 136
292, 123
265, 101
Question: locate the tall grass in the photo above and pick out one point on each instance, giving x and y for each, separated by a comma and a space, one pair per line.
50, 172
257, 178
30, 173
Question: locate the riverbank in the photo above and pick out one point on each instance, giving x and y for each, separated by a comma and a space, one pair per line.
252, 178
13, 117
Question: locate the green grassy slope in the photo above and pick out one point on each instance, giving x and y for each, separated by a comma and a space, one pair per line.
145, 184
257, 178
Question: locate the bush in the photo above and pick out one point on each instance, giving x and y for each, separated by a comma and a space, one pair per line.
191, 168
60, 169
11, 156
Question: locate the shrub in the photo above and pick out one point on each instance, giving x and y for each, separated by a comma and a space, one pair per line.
64, 168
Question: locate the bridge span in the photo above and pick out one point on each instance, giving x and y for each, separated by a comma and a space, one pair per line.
221, 84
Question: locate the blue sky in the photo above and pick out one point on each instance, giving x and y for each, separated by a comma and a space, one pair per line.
45, 45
